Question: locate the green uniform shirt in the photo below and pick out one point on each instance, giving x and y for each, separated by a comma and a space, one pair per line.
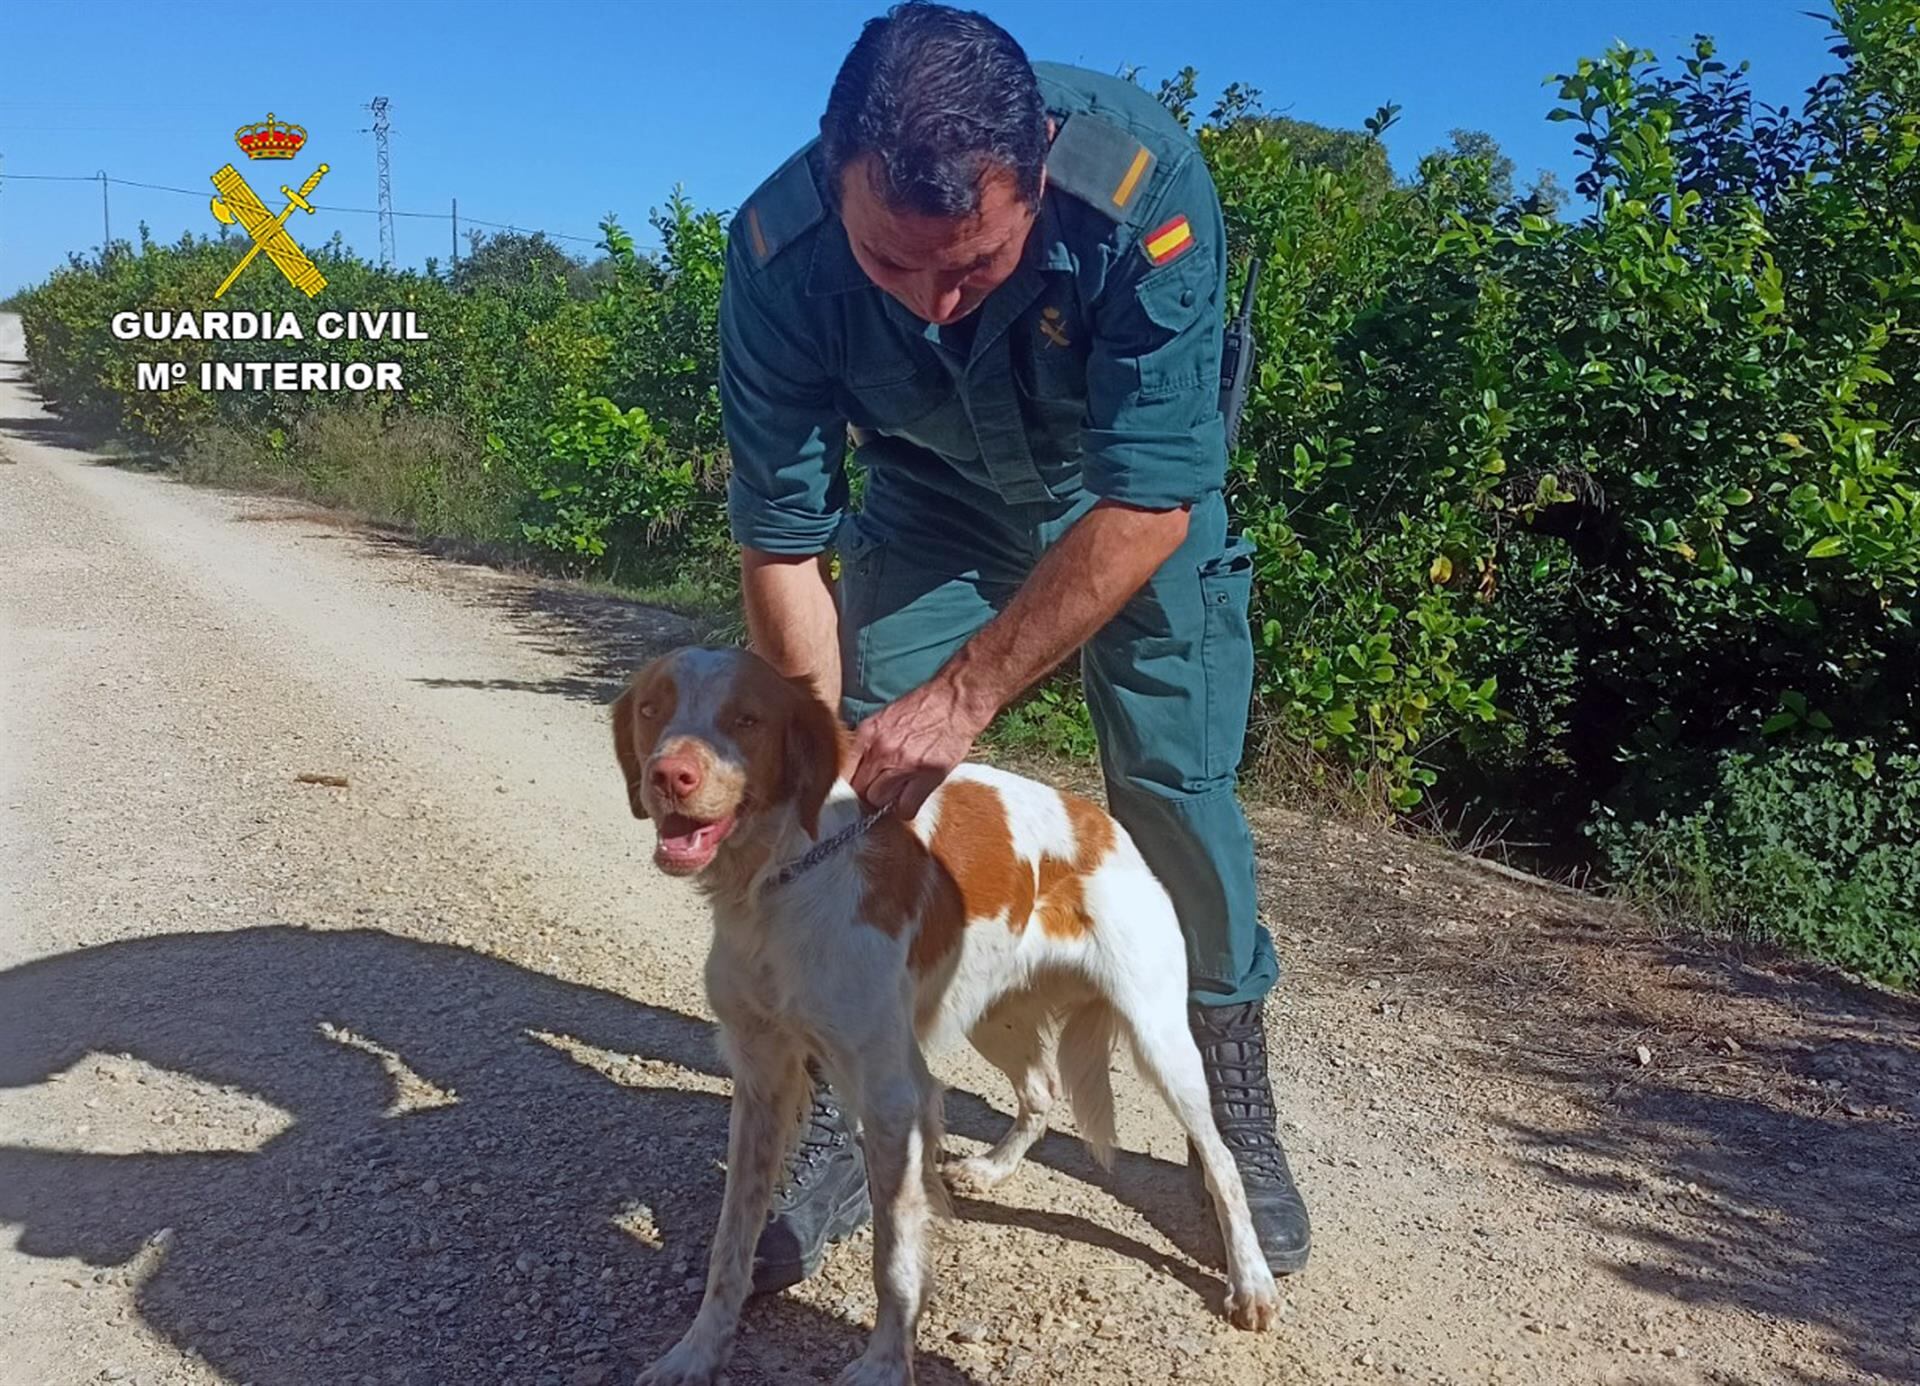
1096, 367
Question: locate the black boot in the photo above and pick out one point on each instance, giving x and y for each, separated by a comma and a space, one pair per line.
822, 1197
1233, 1048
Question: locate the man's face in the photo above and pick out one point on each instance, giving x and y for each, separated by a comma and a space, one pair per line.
941, 268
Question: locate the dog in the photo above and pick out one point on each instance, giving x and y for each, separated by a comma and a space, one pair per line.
1007, 911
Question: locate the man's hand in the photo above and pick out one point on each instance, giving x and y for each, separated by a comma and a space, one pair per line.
903, 751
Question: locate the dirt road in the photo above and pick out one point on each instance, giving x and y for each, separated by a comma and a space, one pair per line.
411, 1081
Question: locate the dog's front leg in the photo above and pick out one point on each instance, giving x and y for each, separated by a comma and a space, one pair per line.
899, 1110
769, 1082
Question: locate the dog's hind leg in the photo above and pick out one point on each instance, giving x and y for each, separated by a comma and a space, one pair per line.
1014, 1038
1164, 1049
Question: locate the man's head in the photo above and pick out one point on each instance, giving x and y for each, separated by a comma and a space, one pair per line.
935, 141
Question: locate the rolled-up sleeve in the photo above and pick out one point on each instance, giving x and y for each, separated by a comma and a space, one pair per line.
787, 490
1154, 434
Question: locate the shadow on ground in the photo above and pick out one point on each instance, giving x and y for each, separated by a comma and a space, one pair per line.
54, 431
1764, 1158
486, 1238
599, 638
457, 1194
1776, 1178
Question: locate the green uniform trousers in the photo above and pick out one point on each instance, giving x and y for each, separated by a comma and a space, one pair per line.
1168, 681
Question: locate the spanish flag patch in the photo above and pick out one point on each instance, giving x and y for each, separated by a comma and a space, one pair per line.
1168, 241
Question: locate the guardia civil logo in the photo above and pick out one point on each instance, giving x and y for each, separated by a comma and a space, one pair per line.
237, 202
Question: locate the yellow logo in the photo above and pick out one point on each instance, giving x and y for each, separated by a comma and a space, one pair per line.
1050, 327
269, 139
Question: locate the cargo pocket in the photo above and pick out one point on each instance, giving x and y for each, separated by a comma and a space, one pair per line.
1226, 653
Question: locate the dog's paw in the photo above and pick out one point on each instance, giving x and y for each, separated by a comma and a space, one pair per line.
688, 1363
973, 1176
872, 1371
1254, 1303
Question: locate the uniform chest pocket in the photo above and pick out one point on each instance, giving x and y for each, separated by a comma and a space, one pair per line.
895, 391
1050, 366
1054, 372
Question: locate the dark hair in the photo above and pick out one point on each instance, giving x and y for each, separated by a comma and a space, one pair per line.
938, 97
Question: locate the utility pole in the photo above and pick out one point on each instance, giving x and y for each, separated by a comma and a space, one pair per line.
456, 233
106, 218
379, 108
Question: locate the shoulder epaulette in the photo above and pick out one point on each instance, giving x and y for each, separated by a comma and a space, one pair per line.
783, 207
1101, 164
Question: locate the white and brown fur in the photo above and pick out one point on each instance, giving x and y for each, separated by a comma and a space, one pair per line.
1007, 911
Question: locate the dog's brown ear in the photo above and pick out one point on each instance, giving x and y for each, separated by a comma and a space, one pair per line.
815, 742
626, 747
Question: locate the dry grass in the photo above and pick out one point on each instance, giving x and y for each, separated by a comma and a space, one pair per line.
420, 472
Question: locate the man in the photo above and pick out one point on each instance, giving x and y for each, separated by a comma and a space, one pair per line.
1008, 281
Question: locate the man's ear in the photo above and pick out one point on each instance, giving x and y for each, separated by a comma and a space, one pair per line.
626, 749
814, 743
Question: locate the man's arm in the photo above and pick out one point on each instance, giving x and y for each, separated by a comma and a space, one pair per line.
788, 489
792, 618
1080, 584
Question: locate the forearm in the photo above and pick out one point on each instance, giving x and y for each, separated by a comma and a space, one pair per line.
792, 619
1079, 585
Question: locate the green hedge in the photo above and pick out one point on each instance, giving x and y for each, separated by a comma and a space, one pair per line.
1569, 523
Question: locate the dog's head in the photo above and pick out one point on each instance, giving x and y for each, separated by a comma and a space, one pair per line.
717, 748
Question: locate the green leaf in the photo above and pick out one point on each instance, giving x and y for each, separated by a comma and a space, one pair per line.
1828, 547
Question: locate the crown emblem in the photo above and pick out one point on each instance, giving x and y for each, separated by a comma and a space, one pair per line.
270, 139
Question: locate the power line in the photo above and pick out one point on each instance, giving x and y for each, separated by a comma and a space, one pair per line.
318, 206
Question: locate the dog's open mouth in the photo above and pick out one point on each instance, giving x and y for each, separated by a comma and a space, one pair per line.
687, 845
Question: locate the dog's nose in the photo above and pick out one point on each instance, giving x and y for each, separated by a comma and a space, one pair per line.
676, 776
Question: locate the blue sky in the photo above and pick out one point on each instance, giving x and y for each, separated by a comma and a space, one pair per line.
550, 115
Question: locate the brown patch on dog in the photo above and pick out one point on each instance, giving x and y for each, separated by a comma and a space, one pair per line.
1063, 910
1061, 888
972, 872
974, 842
638, 714
893, 868
1092, 832
901, 882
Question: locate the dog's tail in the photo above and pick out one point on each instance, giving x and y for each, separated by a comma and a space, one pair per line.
1086, 1076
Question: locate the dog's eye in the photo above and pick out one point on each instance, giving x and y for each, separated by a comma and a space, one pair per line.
746, 721
649, 711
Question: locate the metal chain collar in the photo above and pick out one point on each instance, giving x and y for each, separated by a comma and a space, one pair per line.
825, 848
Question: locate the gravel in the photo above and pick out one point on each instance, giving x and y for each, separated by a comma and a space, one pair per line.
411, 1081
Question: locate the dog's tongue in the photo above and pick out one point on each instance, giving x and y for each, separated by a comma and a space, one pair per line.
683, 836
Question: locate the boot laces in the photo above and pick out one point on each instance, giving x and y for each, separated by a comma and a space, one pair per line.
1235, 1054
824, 1133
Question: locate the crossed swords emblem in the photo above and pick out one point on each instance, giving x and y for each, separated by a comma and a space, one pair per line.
238, 202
